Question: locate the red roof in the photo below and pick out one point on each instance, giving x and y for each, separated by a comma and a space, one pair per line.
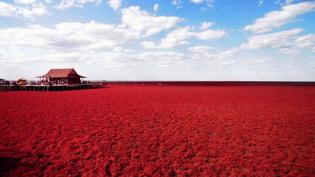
61, 73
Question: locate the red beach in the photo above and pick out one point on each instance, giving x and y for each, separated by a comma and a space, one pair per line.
159, 131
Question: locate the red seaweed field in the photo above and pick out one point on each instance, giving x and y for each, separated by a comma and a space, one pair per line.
159, 131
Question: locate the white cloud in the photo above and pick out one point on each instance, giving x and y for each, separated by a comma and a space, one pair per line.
227, 53
180, 36
210, 34
7, 10
144, 23
93, 46
200, 49
148, 44
260, 2
164, 56
115, 4
286, 42
228, 62
276, 19
289, 41
75, 44
197, 1
176, 2
156, 7
65, 4
30, 12
88, 1
135, 24
25, 1
208, 2
208, 53
34, 11
176, 38
71, 36
206, 25
305, 41
276, 40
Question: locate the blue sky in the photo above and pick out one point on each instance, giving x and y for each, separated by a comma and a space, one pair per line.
159, 40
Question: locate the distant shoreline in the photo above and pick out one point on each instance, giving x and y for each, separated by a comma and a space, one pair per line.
297, 83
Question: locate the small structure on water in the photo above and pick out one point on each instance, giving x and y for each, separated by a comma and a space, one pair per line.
67, 76
21, 81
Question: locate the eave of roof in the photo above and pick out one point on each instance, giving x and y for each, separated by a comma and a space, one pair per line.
61, 73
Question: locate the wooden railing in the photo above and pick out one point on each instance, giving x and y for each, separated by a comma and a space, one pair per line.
50, 87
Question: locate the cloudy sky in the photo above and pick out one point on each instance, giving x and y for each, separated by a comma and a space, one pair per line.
159, 40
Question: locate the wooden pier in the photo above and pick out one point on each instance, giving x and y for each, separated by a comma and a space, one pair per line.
50, 87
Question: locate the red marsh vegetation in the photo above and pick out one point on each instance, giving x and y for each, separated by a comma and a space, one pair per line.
159, 131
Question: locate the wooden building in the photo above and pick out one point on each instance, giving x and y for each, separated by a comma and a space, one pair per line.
67, 76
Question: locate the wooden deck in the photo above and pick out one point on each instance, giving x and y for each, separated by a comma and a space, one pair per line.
49, 88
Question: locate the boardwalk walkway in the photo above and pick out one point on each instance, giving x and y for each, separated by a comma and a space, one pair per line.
49, 88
